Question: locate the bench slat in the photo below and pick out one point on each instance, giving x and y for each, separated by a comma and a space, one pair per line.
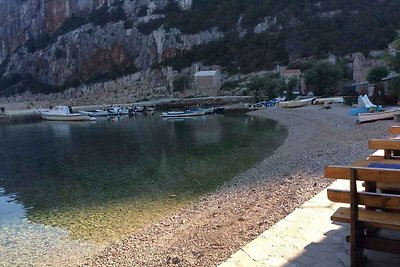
388, 201
370, 218
366, 162
364, 174
388, 144
394, 130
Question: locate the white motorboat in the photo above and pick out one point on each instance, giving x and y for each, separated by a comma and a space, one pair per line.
379, 115
124, 111
139, 109
186, 113
63, 113
114, 110
296, 103
209, 110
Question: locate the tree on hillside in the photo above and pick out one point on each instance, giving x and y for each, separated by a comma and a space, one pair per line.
394, 59
377, 73
266, 86
324, 77
291, 84
375, 76
394, 63
257, 87
180, 83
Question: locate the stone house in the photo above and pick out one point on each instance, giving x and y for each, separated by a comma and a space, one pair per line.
361, 67
207, 82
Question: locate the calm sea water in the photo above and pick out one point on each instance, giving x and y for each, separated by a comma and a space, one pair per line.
97, 181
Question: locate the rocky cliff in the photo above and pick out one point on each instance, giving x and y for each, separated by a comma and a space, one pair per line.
57, 44
49, 46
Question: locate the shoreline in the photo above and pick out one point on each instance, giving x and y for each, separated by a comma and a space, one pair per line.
208, 231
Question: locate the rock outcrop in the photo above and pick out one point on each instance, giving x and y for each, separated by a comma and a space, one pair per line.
61, 43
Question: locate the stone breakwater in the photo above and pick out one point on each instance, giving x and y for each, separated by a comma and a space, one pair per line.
19, 116
207, 232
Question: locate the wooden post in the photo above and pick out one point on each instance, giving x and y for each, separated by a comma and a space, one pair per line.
354, 231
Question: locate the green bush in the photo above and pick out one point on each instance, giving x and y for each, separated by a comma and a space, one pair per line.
230, 85
247, 54
149, 27
180, 83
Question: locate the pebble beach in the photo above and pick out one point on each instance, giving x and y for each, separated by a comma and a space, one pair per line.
208, 231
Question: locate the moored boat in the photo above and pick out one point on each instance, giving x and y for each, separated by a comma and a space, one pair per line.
209, 110
186, 113
63, 113
296, 103
95, 113
375, 116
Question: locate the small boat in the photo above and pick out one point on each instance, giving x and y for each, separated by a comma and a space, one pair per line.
63, 113
210, 110
118, 111
375, 116
364, 105
296, 103
95, 113
139, 109
124, 111
186, 113
113, 110
328, 100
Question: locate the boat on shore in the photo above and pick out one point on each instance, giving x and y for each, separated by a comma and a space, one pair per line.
328, 100
296, 103
186, 113
375, 116
63, 113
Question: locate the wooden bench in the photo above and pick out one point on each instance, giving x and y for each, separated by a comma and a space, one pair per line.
384, 187
394, 130
380, 211
380, 153
391, 147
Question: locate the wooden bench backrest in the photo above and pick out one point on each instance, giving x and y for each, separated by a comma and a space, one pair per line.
364, 174
394, 130
366, 162
388, 144
376, 200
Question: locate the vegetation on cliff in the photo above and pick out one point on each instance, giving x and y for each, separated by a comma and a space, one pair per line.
259, 34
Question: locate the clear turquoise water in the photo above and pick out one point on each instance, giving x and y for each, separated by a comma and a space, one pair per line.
99, 180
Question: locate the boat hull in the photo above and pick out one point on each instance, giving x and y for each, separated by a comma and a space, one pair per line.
71, 117
328, 100
295, 103
182, 114
375, 116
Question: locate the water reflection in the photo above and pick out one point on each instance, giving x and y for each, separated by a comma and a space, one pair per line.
61, 129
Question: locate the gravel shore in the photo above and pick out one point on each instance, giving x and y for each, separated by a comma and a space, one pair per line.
208, 231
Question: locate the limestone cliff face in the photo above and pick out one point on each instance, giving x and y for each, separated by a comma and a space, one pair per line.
21, 20
89, 50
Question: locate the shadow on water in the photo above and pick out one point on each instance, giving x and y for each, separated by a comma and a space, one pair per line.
101, 180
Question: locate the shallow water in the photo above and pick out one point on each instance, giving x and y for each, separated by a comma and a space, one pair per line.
74, 186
